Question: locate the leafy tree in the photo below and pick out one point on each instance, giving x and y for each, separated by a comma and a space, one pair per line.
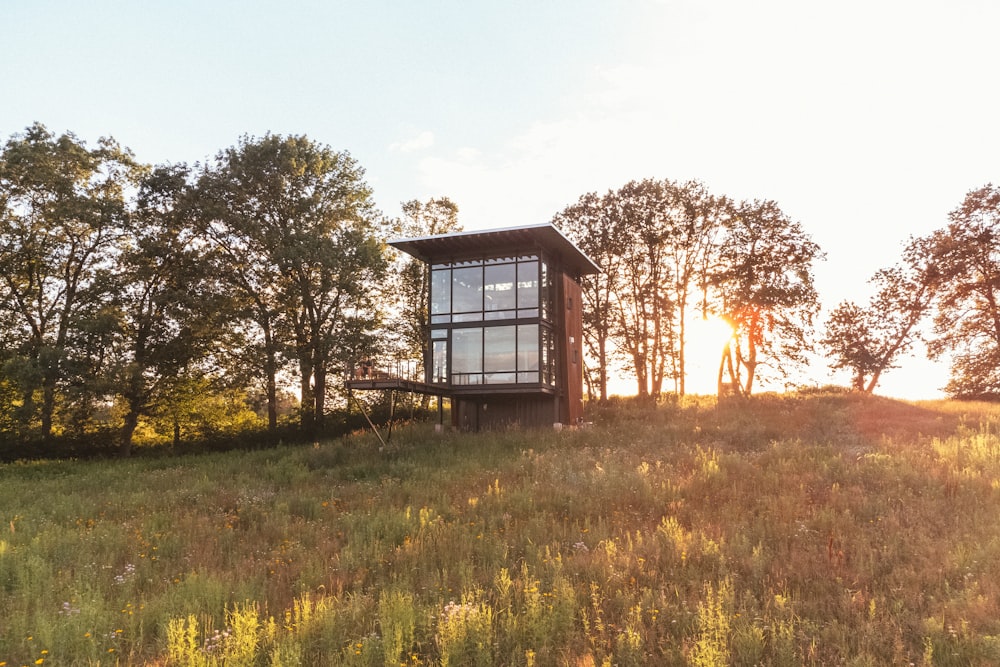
655, 241
869, 341
851, 342
967, 322
643, 327
166, 316
765, 289
412, 284
695, 221
591, 224
241, 258
297, 222
62, 211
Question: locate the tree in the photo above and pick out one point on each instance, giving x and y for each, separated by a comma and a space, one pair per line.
62, 211
167, 319
967, 321
643, 327
868, 341
412, 284
241, 256
590, 223
765, 289
297, 222
655, 241
695, 219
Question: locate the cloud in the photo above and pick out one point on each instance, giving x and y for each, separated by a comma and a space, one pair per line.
423, 140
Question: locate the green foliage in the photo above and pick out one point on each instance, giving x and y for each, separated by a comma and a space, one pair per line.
292, 223
62, 210
122, 286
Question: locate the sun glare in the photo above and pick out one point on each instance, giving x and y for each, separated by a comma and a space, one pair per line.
705, 340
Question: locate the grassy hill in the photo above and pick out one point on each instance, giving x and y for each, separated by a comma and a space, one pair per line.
806, 529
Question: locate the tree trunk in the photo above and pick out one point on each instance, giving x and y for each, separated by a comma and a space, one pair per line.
271, 371
306, 400
48, 406
131, 421
681, 345
602, 374
319, 395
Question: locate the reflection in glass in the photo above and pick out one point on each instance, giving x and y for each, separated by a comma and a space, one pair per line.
546, 292
467, 289
467, 350
527, 348
440, 292
500, 349
548, 357
439, 361
527, 284
498, 287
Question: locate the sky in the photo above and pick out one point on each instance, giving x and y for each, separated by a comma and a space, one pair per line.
866, 121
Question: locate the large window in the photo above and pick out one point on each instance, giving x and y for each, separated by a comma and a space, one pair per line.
440, 294
506, 354
495, 289
467, 356
492, 322
499, 291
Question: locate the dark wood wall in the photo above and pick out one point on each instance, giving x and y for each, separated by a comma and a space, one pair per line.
571, 354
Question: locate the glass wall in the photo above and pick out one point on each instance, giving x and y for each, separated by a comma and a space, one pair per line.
494, 318
505, 354
498, 289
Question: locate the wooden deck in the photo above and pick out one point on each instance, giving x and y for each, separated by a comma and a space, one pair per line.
382, 382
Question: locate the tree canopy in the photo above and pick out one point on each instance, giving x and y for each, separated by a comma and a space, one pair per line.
966, 256
127, 290
672, 250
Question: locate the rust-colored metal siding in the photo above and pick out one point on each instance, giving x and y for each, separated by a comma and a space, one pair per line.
571, 354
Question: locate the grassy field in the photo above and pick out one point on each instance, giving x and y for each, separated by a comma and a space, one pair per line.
824, 529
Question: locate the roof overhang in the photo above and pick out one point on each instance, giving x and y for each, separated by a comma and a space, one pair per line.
497, 242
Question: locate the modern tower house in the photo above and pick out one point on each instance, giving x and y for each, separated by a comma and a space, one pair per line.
505, 325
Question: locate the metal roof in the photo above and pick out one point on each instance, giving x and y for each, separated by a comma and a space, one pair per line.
497, 242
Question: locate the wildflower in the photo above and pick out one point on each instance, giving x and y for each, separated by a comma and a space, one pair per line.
68, 609
39, 661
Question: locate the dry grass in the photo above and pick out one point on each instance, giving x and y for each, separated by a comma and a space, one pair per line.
811, 529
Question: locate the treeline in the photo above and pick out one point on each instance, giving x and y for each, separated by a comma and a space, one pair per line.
672, 251
176, 303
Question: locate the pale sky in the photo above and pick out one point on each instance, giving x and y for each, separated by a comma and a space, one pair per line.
866, 121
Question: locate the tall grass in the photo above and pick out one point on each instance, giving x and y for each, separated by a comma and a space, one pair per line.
820, 529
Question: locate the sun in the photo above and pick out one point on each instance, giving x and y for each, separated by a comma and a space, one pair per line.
705, 339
